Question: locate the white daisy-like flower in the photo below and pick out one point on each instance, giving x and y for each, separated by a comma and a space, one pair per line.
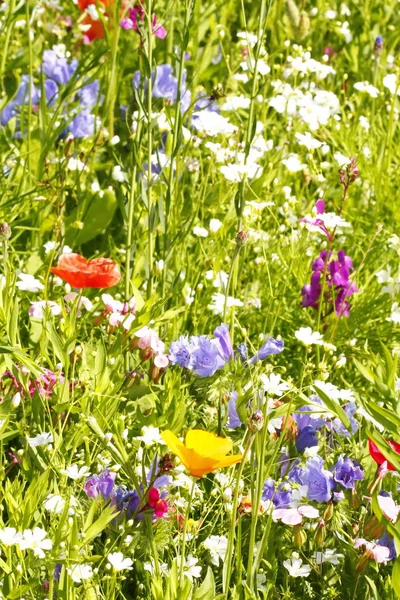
80, 573
29, 283
309, 337
42, 439
217, 545
273, 384
10, 536
328, 556
295, 566
293, 163
118, 562
75, 472
35, 540
150, 436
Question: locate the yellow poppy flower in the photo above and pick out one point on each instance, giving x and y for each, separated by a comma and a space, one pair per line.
202, 452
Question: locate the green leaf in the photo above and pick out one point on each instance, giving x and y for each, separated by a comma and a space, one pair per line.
334, 407
207, 589
98, 526
96, 218
396, 576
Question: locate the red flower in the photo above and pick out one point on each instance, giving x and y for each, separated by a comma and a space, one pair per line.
96, 29
82, 273
378, 456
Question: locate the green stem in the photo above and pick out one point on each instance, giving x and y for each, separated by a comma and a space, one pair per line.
149, 9
232, 531
185, 525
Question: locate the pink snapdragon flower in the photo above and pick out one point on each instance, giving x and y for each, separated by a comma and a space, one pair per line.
136, 17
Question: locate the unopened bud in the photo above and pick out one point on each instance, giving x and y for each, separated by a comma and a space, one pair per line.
299, 536
241, 238
256, 421
304, 26
328, 513
16, 401
320, 533
5, 231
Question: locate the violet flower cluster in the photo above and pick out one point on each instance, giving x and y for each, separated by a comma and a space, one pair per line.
57, 72
338, 285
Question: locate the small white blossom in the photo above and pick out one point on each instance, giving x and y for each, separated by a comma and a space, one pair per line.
295, 566
217, 545
118, 562
42, 439
80, 573
29, 283
35, 540
309, 337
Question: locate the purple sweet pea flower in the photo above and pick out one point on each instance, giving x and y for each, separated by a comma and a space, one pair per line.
271, 346
347, 472
223, 336
318, 480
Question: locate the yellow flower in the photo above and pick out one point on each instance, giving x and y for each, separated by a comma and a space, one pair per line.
202, 452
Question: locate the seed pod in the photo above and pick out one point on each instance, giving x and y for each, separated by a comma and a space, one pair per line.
328, 513
299, 537
320, 533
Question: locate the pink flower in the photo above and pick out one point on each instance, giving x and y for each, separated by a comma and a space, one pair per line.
36, 309
389, 508
294, 516
372, 550
136, 18
83, 301
119, 312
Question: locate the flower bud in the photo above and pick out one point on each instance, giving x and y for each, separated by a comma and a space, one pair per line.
304, 26
372, 528
256, 421
320, 533
299, 536
293, 13
5, 231
328, 513
241, 238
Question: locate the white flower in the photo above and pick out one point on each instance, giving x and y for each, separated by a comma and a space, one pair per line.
236, 102
341, 159
36, 308
191, 570
218, 303
364, 123
212, 123
293, 163
247, 39
215, 225
217, 545
364, 86
118, 174
49, 246
29, 283
250, 63
35, 540
118, 562
273, 385
200, 232
237, 172
42, 439
10, 536
334, 392
150, 436
308, 336
91, 10
54, 504
75, 472
295, 566
394, 243
329, 556
395, 314
79, 573
74, 164
390, 82
308, 141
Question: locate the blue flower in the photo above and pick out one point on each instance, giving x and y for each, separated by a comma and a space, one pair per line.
280, 495
89, 93
223, 336
57, 68
318, 480
233, 417
206, 357
347, 472
306, 438
180, 352
82, 125
165, 85
270, 347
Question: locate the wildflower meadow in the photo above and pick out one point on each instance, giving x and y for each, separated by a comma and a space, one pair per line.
199, 300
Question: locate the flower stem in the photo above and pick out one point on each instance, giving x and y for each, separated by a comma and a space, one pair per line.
185, 526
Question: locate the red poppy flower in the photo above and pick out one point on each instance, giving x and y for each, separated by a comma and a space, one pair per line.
378, 456
96, 29
82, 273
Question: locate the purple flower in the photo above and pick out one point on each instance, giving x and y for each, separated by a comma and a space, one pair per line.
82, 125
57, 68
308, 425
100, 484
223, 336
337, 425
347, 472
306, 438
318, 480
206, 357
180, 352
233, 417
242, 351
280, 495
165, 85
388, 541
89, 93
270, 347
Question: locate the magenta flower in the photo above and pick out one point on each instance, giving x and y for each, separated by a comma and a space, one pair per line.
136, 18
